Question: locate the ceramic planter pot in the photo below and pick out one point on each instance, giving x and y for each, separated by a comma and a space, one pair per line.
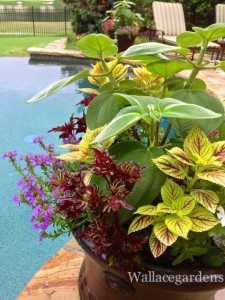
124, 42
99, 282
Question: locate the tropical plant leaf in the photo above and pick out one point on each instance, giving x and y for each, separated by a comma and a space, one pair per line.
58, 85
197, 146
139, 223
188, 39
212, 32
125, 119
95, 45
201, 98
163, 208
170, 166
217, 177
164, 235
102, 109
171, 191
202, 219
206, 198
179, 226
147, 210
219, 150
157, 248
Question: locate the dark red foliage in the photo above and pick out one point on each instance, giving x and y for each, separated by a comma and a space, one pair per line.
87, 101
67, 129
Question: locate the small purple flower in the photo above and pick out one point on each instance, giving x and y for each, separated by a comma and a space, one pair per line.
38, 139
10, 154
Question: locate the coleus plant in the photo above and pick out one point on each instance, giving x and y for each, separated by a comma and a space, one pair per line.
131, 164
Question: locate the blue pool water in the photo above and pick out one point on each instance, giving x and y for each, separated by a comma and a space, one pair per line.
21, 253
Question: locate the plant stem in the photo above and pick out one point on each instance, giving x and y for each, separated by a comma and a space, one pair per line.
165, 136
109, 73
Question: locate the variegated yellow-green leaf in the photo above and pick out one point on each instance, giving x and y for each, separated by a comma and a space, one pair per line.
170, 166
89, 91
163, 234
157, 248
180, 155
147, 210
179, 226
197, 146
163, 208
98, 70
219, 150
140, 222
184, 205
217, 177
171, 191
206, 198
202, 219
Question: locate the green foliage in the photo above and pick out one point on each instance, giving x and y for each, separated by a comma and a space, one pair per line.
87, 15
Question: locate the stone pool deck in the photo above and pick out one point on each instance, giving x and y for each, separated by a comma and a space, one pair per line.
57, 279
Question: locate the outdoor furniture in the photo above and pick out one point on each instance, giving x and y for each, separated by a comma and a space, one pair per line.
220, 18
169, 22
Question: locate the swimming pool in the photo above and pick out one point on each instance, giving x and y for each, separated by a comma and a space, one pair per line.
21, 253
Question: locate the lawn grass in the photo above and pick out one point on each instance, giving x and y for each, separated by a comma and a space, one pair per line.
56, 3
17, 46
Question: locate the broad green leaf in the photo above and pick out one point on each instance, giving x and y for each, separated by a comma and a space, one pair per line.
166, 68
171, 191
96, 45
184, 205
197, 146
201, 98
188, 39
179, 226
151, 48
102, 109
146, 190
180, 155
174, 83
127, 85
198, 84
212, 32
147, 210
206, 198
140, 222
217, 177
202, 219
157, 248
58, 85
173, 108
222, 65
125, 119
170, 166
164, 235
219, 150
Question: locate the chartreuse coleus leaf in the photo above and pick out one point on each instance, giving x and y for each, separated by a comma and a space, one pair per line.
164, 235
219, 150
140, 222
206, 198
184, 205
171, 191
217, 177
180, 155
179, 226
157, 248
202, 219
170, 166
147, 210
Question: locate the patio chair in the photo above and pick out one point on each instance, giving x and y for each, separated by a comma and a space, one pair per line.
220, 18
169, 22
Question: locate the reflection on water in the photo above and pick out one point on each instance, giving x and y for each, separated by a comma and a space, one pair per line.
21, 253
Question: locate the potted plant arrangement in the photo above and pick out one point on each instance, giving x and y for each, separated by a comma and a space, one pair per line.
122, 23
146, 206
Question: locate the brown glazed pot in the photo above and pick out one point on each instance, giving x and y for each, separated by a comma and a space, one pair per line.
124, 41
99, 282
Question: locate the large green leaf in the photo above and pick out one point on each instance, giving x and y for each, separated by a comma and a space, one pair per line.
212, 32
58, 85
125, 119
137, 51
146, 190
95, 45
102, 110
204, 99
166, 68
188, 39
